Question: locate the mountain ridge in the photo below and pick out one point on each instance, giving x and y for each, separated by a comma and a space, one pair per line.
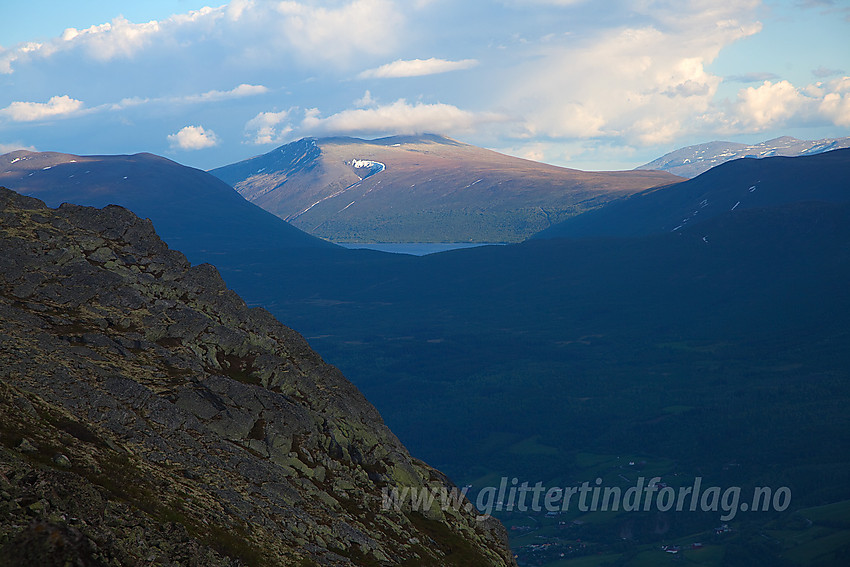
691, 161
732, 186
429, 189
178, 198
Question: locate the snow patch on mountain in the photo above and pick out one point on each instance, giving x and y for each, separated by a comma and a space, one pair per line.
370, 167
694, 160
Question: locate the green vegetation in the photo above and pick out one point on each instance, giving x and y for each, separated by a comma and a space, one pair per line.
119, 475
835, 515
239, 368
458, 552
443, 225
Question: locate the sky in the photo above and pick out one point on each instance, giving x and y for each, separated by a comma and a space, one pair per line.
580, 83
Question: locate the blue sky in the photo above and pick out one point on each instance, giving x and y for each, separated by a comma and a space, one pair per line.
581, 83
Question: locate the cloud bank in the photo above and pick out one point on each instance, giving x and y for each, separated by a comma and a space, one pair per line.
56, 107
193, 138
416, 68
546, 78
268, 128
399, 117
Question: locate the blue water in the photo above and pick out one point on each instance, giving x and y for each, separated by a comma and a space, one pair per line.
415, 248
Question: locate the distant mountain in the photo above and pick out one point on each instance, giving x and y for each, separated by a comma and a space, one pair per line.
191, 209
148, 415
420, 189
733, 186
694, 160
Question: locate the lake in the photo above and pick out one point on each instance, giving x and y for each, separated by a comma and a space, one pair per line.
415, 248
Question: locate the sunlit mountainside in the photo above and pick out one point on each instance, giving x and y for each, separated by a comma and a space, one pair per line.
421, 189
693, 160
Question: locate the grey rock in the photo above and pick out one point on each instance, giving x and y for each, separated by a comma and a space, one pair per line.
26, 446
62, 461
200, 431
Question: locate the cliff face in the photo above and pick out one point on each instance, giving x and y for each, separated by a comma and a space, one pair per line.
148, 415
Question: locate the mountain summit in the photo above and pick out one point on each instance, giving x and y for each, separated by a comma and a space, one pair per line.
191, 210
694, 160
420, 189
731, 187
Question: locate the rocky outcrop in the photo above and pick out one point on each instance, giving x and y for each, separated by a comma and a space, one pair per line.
148, 416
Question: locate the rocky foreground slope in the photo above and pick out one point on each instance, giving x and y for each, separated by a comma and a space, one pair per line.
147, 416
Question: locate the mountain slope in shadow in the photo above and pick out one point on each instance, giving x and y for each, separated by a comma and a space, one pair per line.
734, 186
191, 209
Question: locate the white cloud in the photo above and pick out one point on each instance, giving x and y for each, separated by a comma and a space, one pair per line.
651, 84
534, 151
365, 100
416, 68
399, 117
192, 138
768, 104
56, 107
268, 128
780, 104
64, 106
249, 32
130, 102
340, 32
642, 85
119, 38
9, 56
6, 148
835, 105
655, 130
236, 8
525, 3
547, 74
242, 90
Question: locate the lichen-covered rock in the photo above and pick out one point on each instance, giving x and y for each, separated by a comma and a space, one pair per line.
148, 416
